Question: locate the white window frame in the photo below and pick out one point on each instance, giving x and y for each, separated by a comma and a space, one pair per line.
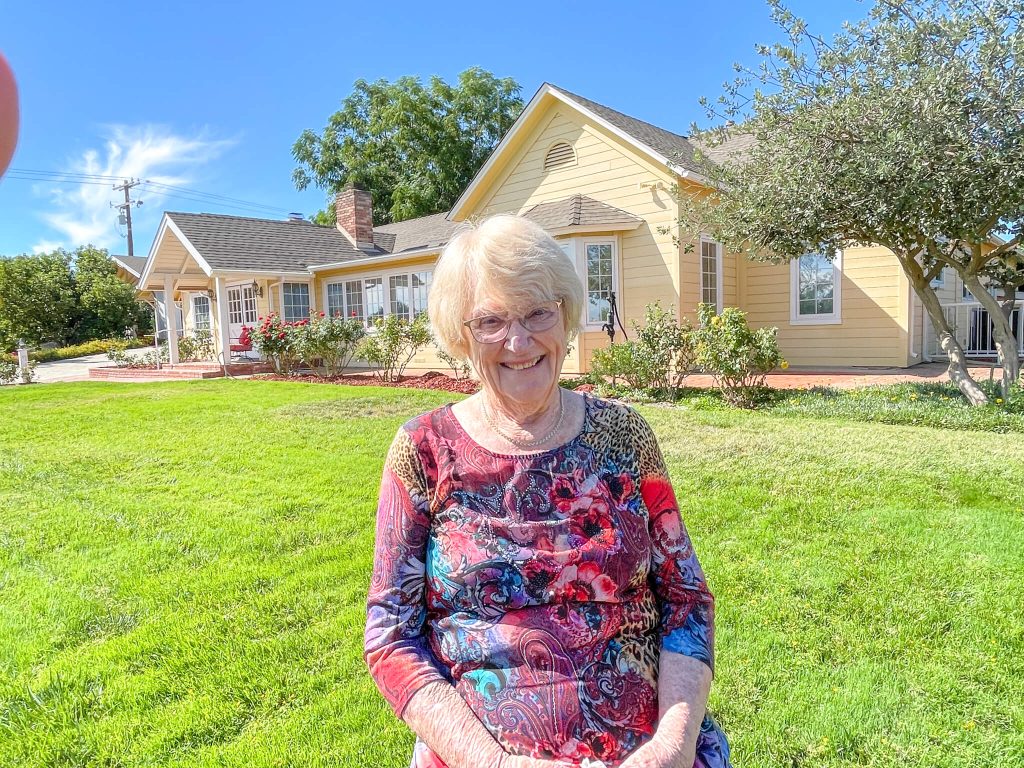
309, 295
576, 249
718, 272
833, 318
195, 312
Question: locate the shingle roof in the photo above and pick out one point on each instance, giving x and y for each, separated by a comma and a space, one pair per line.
676, 148
580, 211
415, 234
134, 264
264, 245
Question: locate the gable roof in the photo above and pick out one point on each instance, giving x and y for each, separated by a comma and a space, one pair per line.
133, 265
581, 212
264, 245
415, 234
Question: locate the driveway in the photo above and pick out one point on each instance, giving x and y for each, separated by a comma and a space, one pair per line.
77, 368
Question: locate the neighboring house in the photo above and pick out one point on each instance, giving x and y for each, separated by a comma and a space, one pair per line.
603, 184
129, 269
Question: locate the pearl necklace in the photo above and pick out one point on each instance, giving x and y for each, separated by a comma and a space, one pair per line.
526, 443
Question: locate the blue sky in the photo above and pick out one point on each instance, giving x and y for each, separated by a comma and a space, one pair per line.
210, 96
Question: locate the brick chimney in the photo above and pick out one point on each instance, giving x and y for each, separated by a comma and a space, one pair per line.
354, 208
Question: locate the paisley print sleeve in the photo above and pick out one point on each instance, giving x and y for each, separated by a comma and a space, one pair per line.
686, 605
395, 646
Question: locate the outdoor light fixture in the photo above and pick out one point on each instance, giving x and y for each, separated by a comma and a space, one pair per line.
256, 289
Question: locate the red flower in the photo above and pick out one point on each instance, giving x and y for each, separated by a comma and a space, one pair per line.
621, 486
603, 745
563, 494
281, 335
322, 314
594, 527
584, 583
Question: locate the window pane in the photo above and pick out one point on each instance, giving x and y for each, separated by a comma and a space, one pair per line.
709, 272
296, 301
374, 299
400, 302
420, 290
816, 289
354, 300
335, 299
235, 306
201, 313
599, 282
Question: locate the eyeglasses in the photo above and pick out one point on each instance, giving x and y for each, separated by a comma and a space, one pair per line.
490, 329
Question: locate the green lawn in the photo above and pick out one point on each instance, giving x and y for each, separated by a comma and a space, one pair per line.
183, 568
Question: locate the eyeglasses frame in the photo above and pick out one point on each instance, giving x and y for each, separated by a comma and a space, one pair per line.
508, 324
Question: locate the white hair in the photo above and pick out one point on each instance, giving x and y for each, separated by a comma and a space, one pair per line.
507, 258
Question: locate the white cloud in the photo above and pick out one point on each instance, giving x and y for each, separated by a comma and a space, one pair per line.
81, 213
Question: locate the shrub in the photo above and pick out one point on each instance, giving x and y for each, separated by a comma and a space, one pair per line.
199, 346
460, 368
96, 347
737, 357
119, 356
331, 341
660, 358
10, 372
278, 342
394, 344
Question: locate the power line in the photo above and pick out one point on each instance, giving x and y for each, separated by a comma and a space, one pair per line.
156, 187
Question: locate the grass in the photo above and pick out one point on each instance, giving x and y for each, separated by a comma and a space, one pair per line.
183, 568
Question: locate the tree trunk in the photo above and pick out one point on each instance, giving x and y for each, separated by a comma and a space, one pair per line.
957, 370
1006, 344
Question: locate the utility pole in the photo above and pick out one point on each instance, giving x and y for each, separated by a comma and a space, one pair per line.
125, 217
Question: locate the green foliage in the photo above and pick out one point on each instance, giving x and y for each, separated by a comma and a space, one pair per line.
736, 356
660, 357
330, 340
118, 355
393, 345
903, 130
198, 346
10, 372
65, 297
277, 341
415, 147
95, 347
460, 368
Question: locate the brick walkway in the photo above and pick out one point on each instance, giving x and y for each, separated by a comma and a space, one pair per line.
853, 378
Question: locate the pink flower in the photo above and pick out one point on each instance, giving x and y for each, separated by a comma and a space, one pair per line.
563, 494
322, 314
584, 583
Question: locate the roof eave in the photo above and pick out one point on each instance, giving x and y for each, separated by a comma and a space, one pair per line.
388, 257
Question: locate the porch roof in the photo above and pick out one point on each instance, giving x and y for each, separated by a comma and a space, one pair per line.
582, 213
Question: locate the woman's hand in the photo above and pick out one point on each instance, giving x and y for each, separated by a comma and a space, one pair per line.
655, 754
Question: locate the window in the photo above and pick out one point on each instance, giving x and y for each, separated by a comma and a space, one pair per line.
374, 287
295, 300
600, 258
354, 300
201, 313
420, 288
710, 274
335, 300
400, 303
815, 296
940, 280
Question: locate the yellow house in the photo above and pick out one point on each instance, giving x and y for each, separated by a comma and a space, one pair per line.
604, 185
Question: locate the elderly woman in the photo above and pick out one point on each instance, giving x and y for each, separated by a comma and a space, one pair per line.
535, 599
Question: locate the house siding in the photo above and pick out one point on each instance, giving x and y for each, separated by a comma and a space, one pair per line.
874, 312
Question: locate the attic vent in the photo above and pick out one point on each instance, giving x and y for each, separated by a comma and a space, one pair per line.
559, 156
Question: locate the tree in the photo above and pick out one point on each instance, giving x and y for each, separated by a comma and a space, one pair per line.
38, 302
905, 130
414, 147
107, 304
65, 297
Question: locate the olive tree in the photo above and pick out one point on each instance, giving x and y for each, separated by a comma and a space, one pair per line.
904, 130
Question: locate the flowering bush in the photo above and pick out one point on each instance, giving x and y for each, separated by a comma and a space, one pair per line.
660, 358
10, 372
394, 344
460, 368
278, 342
737, 357
330, 342
198, 346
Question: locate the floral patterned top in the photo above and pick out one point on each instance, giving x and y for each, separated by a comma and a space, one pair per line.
542, 586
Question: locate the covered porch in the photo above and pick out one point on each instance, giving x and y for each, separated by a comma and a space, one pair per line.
972, 327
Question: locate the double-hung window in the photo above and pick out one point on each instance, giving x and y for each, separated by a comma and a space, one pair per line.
711, 274
374, 293
201, 313
599, 263
295, 301
345, 299
419, 289
401, 306
815, 291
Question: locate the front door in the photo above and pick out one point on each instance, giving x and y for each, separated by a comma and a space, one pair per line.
241, 309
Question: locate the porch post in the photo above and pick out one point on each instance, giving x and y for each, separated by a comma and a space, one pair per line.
223, 328
172, 320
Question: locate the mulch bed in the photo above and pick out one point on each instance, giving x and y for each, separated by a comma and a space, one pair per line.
429, 380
